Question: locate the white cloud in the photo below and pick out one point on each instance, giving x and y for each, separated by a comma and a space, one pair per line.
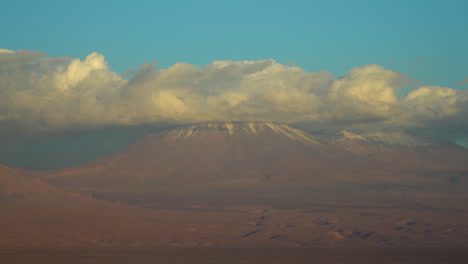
6, 51
430, 105
38, 93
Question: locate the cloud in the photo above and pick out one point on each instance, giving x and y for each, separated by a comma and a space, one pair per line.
440, 109
39, 94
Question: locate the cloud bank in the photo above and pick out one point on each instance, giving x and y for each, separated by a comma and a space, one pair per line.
39, 94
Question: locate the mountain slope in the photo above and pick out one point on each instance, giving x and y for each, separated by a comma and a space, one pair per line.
14, 186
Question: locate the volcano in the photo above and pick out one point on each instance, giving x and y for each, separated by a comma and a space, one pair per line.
214, 152
264, 183
267, 152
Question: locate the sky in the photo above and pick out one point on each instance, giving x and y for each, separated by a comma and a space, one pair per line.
79, 79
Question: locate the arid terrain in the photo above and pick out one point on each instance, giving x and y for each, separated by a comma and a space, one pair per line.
245, 185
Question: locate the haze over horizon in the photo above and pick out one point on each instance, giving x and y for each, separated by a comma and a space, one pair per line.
80, 80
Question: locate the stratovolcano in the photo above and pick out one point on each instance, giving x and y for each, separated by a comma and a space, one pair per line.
213, 152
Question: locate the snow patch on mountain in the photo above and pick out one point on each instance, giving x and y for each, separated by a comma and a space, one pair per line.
350, 135
230, 128
292, 133
252, 128
384, 139
398, 139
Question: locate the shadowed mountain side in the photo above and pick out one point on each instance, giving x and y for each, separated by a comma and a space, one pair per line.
215, 152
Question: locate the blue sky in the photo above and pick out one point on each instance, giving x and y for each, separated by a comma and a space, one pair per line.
419, 82
426, 39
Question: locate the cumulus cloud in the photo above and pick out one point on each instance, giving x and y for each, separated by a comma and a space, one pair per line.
435, 108
43, 94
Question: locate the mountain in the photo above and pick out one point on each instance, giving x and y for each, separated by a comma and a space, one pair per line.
269, 152
14, 186
405, 153
213, 152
